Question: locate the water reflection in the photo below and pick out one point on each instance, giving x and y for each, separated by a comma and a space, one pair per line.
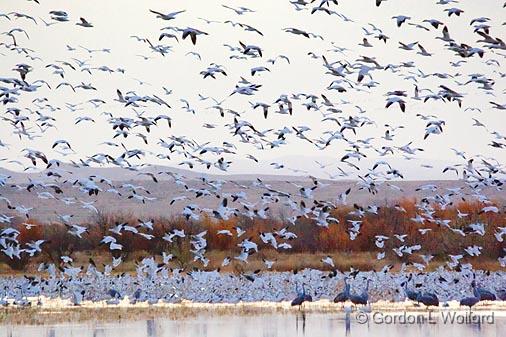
301, 317
273, 325
347, 322
151, 328
99, 332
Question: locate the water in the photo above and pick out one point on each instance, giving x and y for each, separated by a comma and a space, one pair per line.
272, 325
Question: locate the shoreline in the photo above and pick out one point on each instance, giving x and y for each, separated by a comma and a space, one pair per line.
53, 311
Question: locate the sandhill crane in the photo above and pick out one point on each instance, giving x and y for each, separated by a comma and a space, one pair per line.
301, 297
361, 298
483, 294
428, 299
472, 300
343, 296
501, 294
410, 294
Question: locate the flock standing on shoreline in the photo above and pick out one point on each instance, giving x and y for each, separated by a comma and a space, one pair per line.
30, 112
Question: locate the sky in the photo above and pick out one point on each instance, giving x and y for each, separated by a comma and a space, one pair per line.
116, 21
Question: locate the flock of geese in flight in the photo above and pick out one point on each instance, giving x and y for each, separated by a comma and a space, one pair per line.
31, 111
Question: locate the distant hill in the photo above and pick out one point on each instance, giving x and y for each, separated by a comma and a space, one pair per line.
69, 171
165, 190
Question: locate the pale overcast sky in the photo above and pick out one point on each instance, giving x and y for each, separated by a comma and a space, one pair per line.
116, 21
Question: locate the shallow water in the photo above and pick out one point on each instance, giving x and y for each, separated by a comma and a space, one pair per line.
272, 325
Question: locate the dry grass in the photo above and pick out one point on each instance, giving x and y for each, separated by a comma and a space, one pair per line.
284, 262
40, 316
187, 311
313, 242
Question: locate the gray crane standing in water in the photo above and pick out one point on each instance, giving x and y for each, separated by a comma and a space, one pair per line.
483, 294
410, 294
301, 297
361, 298
428, 299
471, 300
501, 294
343, 296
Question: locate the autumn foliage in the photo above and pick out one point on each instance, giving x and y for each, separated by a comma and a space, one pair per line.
311, 238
